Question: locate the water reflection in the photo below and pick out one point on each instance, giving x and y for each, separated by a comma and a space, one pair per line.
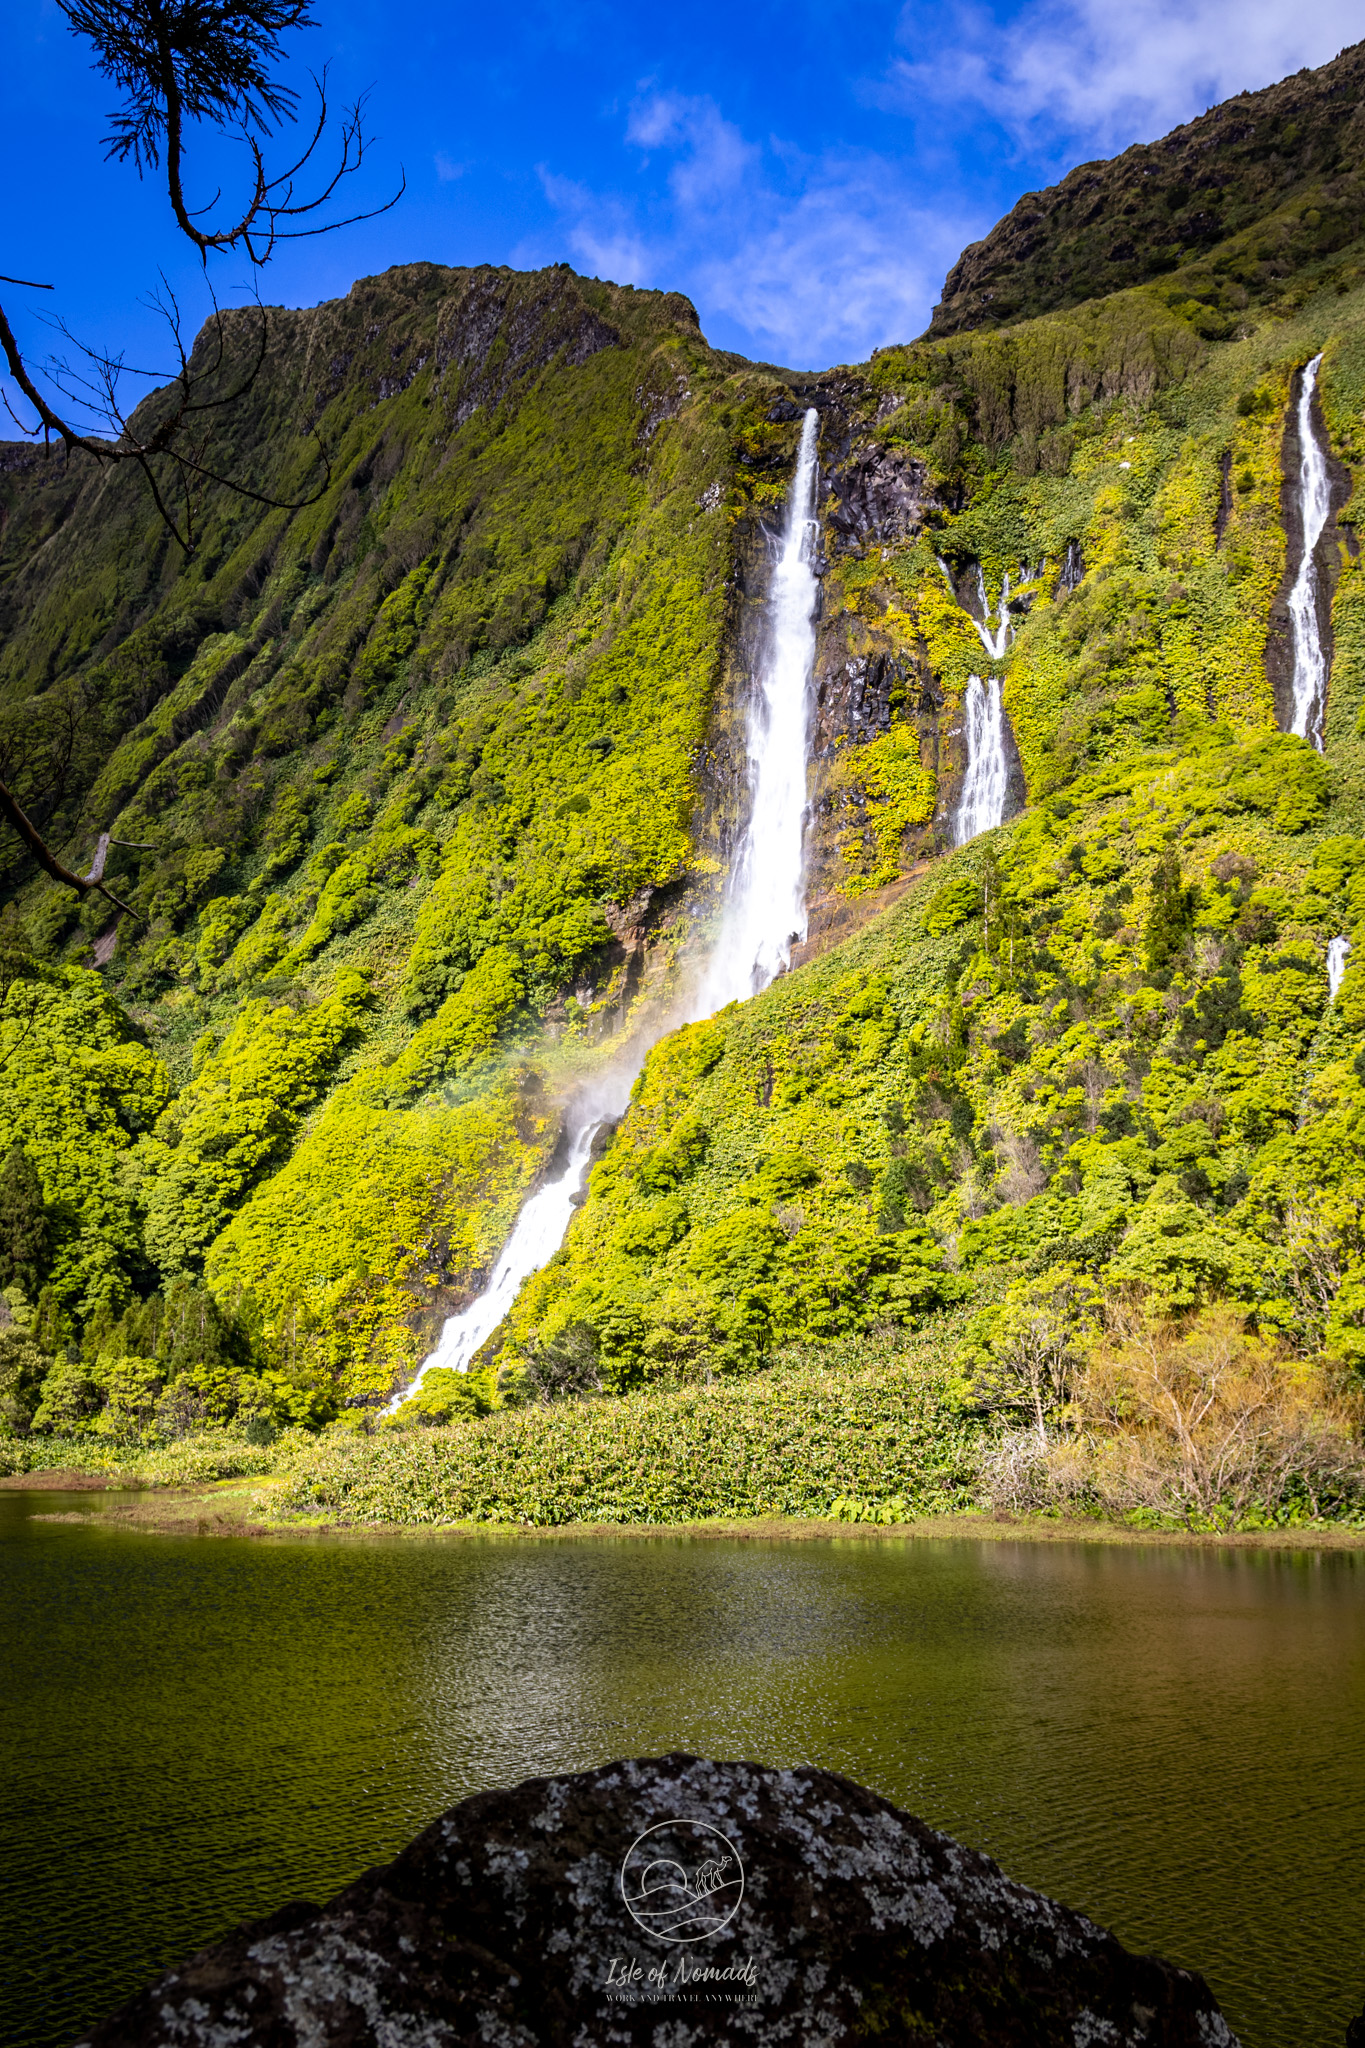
1167, 1739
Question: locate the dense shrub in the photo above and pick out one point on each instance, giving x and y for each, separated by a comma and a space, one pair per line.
792, 1441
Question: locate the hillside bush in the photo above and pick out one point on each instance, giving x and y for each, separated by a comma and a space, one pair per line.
879, 1428
1192, 1422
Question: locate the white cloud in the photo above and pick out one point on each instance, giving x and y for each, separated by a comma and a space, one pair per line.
600, 229
846, 266
1104, 73
715, 158
812, 260
447, 169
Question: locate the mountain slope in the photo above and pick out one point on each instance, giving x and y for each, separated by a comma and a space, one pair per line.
440, 776
1236, 204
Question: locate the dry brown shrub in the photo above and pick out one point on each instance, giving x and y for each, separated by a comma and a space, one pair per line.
1191, 1419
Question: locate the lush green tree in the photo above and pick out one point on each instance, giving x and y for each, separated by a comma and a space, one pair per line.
25, 1231
1170, 915
22, 1370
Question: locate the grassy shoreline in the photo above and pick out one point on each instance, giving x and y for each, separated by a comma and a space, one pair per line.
866, 1442
229, 1509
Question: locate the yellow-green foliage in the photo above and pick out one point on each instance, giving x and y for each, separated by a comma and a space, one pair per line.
357, 1240
78, 1091
236, 1118
457, 719
190, 1461
898, 792
414, 754
1037, 1057
881, 1429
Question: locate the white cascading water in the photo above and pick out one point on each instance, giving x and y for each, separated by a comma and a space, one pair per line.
765, 913
982, 804
1315, 502
537, 1236
995, 643
995, 639
1337, 950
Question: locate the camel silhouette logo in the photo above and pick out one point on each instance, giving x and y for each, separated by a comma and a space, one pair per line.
682, 1880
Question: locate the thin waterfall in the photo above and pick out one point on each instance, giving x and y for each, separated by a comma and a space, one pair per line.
986, 784
765, 913
995, 639
1337, 950
1315, 502
995, 643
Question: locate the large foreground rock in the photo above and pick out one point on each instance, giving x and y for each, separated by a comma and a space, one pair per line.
505, 1925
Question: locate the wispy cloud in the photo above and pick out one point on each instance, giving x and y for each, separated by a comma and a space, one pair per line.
601, 231
447, 170
811, 259
713, 157
1097, 74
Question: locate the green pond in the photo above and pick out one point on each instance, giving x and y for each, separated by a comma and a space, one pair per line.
197, 1730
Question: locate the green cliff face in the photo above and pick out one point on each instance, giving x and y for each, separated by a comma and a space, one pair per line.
439, 777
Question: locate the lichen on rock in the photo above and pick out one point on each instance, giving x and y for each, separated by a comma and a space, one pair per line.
506, 1922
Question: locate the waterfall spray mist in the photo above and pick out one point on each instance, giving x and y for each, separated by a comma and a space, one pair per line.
765, 911
1315, 500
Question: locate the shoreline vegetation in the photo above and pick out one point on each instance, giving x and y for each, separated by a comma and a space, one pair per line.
880, 1438
224, 1510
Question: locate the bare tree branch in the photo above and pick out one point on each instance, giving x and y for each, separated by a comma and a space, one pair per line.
13, 811
178, 62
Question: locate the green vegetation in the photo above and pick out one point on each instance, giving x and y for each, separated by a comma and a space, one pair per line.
189, 1461
1233, 208
428, 787
811, 1438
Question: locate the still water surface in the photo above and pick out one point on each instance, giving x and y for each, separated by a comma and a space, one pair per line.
194, 1731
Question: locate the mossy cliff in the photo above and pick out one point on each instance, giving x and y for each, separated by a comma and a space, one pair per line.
438, 777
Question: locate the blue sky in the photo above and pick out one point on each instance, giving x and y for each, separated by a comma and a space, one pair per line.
805, 171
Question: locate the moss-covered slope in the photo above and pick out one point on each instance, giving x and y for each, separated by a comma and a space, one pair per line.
434, 781
410, 766
1096, 1042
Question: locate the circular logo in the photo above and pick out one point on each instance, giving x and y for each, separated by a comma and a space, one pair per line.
682, 1880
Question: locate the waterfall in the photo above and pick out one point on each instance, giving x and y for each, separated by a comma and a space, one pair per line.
1336, 966
765, 911
1310, 667
995, 643
995, 640
982, 804
538, 1234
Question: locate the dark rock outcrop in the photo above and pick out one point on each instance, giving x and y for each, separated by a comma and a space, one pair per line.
879, 496
836, 1918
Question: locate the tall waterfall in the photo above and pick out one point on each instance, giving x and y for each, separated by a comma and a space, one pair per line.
1310, 666
765, 911
982, 803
